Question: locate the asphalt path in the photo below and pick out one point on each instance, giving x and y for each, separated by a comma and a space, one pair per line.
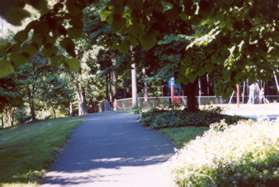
112, 150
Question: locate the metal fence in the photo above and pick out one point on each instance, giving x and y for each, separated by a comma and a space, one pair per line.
180, 102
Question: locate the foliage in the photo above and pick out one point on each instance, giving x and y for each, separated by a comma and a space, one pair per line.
232, 41
9, 93
26, 151
235, 40
163, 119
43, 87
245, 154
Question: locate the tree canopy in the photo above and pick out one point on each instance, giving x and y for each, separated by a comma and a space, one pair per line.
233, 40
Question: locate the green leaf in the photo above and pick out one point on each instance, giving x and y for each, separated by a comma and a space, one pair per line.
148, 40
21, 36
3, 48
50, 51
123, 47
104, 14
15, 15
30, 50
57, 60
18, 58
5, 68
73, 64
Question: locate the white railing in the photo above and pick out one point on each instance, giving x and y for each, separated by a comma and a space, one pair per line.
180, 101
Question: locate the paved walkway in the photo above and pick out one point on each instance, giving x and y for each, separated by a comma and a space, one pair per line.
254, 111
112, 150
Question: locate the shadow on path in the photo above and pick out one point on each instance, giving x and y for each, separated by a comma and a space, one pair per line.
112, 149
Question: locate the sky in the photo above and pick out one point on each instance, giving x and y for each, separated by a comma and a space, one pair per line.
6, 28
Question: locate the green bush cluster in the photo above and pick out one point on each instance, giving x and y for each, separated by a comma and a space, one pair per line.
163, 118
246, 154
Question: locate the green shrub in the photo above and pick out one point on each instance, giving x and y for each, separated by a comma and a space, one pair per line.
162, 119
246, 154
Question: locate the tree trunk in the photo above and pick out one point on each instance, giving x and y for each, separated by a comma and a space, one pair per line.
134, 78
237, 95
71, 109
200, 90
2, 121
145, 89
113, 86
107, 87
243, 92
31, 102
82, 109
110, 88
190, 91
54, 113
134, 85
207, 85
11, 116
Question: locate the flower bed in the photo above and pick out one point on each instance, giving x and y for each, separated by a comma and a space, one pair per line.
246, 154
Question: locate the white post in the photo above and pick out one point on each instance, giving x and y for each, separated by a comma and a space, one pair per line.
230, 101
200, 91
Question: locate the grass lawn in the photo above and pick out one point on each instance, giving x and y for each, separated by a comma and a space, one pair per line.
180, 136
26, 151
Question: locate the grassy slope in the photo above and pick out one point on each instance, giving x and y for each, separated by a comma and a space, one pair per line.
25, 151
182, 135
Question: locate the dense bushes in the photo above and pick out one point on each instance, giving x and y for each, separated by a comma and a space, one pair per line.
162, 119
246, 154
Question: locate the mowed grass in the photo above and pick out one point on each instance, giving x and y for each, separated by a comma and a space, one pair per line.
182, 135
26, 151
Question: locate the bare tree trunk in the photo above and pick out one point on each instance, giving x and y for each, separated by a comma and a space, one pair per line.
190, 90
243, 92
107, 87
82, 109
134, 85
113, 85
207, 84
30, 94
71, 109
145, 90
200, 90
54, 112
2, 121
134, 79
10, 114
110, 87
237, 95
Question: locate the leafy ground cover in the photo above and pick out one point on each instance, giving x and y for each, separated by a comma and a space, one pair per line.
245, 154
163, 118
26, 151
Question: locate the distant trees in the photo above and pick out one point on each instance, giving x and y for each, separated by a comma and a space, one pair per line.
10, 98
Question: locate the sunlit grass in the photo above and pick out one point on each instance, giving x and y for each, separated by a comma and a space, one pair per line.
182, 135
26, 151
19, 185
